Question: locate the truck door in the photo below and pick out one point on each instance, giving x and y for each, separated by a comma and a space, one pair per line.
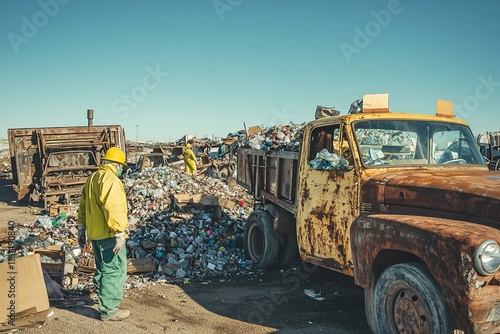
328, 201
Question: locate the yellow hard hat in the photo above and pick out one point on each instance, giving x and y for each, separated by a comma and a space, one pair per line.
116, 155
188, 145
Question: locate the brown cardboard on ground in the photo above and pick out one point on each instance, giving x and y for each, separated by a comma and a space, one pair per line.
227, 204
56, 209
198, 200
195, 200
26, 297
142, 265
4, 234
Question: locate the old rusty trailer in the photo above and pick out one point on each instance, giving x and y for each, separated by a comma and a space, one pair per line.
51, 164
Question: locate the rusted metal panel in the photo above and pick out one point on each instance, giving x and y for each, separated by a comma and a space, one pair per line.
52, 164
288, 184
271, 175
244, 175
329, 203
284, 220
328, 208
442, 191
150, 160
446, 247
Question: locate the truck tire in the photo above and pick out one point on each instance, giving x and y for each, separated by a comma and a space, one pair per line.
261, 243
369, 307
289, 251
407, 299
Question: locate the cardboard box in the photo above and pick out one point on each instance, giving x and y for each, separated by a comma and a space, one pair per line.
87, 262
143, 265
55, 267
23, 295
56, 209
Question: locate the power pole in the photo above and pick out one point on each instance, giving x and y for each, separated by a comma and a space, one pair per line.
136, 133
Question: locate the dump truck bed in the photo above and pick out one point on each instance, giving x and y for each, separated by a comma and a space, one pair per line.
271, 176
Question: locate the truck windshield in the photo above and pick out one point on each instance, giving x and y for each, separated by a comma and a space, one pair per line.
409, 142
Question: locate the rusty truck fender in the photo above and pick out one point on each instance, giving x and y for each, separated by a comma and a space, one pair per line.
445, 246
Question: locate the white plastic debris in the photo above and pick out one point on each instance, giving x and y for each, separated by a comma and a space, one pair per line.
313, 294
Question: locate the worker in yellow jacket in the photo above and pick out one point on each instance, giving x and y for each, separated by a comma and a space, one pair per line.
103, 216
189, 159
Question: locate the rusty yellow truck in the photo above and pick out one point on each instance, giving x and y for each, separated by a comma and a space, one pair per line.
404, 203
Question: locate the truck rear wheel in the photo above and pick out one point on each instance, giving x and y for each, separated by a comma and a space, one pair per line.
407, 299
261, 243
289, 251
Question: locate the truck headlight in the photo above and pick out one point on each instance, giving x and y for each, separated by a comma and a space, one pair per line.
487, 258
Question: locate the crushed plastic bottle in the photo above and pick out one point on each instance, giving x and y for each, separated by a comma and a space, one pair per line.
45, 221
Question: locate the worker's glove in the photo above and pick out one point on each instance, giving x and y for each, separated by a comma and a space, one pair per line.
82, 238
120, 242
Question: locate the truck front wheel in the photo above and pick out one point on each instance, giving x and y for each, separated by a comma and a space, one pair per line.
407, 299
261, 243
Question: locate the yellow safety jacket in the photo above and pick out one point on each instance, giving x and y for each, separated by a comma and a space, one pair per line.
190, 161
103, 204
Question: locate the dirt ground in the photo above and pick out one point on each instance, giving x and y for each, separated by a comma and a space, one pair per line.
271, 301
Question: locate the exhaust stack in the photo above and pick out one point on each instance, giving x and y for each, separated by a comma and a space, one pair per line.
90, 116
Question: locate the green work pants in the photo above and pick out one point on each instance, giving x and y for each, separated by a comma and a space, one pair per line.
110, 275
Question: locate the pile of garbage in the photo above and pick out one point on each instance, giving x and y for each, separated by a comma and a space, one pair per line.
5, 166
191, 225
150, 193
277, 138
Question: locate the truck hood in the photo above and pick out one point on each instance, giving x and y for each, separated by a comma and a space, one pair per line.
475, 194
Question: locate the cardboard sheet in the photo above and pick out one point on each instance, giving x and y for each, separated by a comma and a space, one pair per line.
23, 295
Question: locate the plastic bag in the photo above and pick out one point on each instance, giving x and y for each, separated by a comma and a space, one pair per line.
328, 161
254, 143
53, 288
45, 221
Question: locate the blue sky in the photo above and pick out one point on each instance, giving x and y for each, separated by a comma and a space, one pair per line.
206, 67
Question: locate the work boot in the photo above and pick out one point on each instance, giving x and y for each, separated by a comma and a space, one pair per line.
117, 316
